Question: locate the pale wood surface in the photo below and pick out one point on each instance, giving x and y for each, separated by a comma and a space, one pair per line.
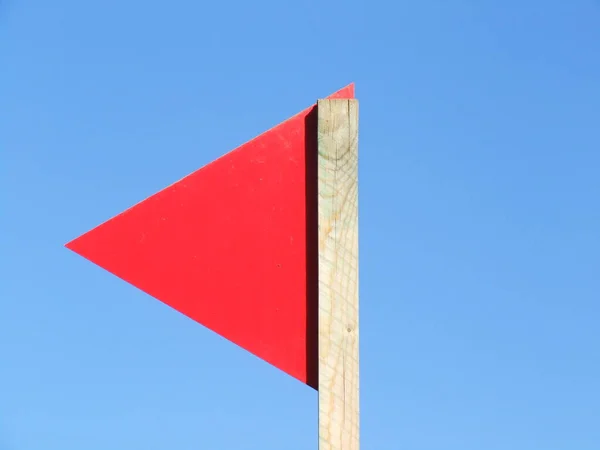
338, 274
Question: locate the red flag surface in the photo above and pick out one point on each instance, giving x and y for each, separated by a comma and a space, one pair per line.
233, 245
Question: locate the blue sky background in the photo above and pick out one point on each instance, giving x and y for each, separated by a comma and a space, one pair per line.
480, 218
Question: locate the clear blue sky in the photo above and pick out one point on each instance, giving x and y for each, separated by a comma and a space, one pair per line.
480, 218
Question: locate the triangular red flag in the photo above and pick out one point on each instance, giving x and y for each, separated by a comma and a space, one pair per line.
233, 245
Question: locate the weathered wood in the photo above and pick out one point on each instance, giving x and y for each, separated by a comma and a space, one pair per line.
338, 274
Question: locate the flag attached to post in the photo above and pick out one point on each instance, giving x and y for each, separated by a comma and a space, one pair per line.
233, 245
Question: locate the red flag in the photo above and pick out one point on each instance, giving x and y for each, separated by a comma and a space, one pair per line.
233, 245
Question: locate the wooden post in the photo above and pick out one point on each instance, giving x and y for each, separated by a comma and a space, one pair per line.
338, 274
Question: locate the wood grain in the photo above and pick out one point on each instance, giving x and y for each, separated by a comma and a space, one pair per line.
338, 274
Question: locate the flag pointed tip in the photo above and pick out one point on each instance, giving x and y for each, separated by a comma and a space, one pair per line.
347, 91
